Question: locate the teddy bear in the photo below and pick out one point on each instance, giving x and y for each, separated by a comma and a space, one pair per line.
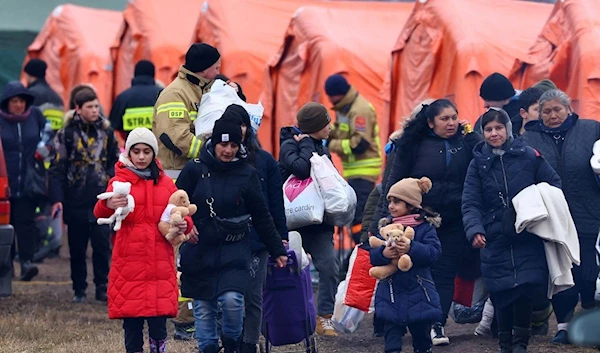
392, 233
119, 188
178, 208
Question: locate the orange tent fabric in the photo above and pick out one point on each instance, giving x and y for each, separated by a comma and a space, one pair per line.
156, 30
567, 52
447, 48
247, 34
352, 38
75, 44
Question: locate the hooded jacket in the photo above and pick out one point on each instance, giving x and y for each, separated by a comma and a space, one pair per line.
173, 120
214, 266
20, 137
507, 261
82, 163
134, 107
142, 279
49, 102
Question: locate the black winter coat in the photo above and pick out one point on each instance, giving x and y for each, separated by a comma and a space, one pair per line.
506, 261
142, 94
214, 266
428, 158
19, 138
294, 158
44, 94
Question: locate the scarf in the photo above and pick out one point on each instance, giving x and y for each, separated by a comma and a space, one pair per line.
145, 174
564, 127
409, 220
16, 118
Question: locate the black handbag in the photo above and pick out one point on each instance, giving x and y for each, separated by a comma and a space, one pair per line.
231, 229
36, 180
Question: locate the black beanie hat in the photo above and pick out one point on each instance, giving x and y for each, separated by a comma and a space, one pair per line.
312, 117
227, 129
201, 56
241, 113
496, 87
336, 85
36, 68
144, 68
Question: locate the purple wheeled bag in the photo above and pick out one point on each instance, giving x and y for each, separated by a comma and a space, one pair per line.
289, 315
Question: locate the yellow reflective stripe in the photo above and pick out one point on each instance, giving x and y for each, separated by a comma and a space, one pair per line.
344, 127
56, 123
137, 117
47, 164
193, 115
171, 106
361, 171
194, 148
368, 162
346, 149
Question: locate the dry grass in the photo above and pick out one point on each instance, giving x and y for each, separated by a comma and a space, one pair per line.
40, 317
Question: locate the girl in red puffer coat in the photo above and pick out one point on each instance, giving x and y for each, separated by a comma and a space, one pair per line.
142, 284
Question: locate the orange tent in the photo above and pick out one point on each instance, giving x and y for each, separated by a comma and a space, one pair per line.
77, 52
447, 48
157, 30
567, 52
246, 33
352, 38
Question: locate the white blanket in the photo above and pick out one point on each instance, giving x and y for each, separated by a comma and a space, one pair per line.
542, 209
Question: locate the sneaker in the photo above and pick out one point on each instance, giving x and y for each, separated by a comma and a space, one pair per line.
483, 331
438, 338
79, 297
561, 337
325, 326
28, 271
184, 332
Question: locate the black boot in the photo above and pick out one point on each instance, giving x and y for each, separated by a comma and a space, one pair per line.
248, 348
210, 349
28, 271
520, 339
506, 342
230, 345
101, 293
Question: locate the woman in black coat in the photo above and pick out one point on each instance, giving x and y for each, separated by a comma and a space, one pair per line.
215, 267
21, 125
566, 141
436, 145
513, 265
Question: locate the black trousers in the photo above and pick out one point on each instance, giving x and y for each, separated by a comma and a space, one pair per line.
134, 331
79, 236
362, 188
564, 303
22, 218
517, 314
420, 333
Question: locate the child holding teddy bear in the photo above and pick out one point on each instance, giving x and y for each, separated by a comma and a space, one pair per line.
142, 284
407, 297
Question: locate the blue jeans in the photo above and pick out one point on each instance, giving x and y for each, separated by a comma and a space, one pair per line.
205, 314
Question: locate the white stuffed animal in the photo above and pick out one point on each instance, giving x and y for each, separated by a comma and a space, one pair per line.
595, 161
119, 188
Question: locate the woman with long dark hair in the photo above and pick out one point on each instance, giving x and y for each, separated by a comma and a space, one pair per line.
437, 145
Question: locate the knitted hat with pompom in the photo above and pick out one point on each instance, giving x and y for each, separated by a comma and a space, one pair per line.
411, 190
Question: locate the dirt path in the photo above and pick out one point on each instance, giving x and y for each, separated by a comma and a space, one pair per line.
40, 317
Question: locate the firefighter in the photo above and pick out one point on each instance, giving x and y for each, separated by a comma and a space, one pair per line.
134, 107
49, 102
355, 138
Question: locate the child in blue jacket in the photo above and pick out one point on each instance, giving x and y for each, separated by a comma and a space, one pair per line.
409, 299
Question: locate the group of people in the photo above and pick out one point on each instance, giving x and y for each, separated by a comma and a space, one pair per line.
453, 184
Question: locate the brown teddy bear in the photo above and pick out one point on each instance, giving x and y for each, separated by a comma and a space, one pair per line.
178, 208
392, 233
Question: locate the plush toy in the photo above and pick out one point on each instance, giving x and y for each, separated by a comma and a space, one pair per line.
119, 188
178, 208
392, 233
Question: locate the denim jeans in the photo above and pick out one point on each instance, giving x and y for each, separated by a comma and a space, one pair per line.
254, 297
205, 314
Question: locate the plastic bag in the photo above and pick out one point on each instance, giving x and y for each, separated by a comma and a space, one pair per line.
360, 292
295, 244
303, 202
345, 319
214, 103
338, 196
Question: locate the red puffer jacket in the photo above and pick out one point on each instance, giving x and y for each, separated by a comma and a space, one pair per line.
142, 280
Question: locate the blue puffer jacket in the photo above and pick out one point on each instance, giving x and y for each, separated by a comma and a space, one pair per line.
271, 185
410, 297
506, 261
20, 136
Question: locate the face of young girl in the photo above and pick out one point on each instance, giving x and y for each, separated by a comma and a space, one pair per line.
397, 207
141, 155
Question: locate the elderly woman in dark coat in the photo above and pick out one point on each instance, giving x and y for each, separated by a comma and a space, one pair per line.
566, 142
513, 265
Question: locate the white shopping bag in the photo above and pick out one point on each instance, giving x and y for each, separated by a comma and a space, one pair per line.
338, 195
303, 202
345, 319
214, 103
295, 244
